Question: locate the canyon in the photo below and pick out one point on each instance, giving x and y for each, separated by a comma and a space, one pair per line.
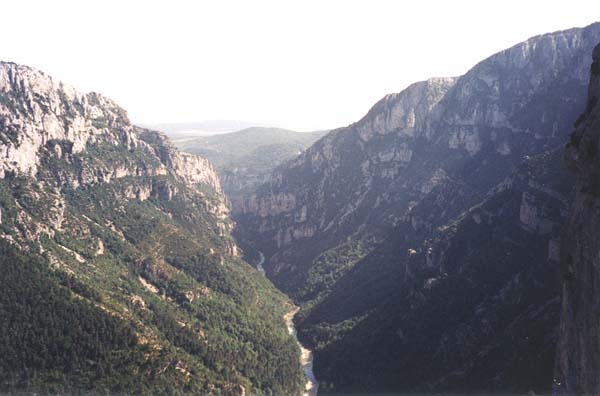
423, 241
446, 242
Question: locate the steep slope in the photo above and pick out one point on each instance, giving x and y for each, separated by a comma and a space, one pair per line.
120, 274
578, 355
474, 307
337, 223
474, 129
246, 158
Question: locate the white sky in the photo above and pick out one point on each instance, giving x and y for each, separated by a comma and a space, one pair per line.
297, 64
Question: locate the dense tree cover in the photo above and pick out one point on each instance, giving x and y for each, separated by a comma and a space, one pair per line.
130, 295
51, 336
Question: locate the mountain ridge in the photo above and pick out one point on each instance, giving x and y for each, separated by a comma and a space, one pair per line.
121, 274
333, 221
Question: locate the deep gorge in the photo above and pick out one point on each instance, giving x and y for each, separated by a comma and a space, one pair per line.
423, 241
444, 243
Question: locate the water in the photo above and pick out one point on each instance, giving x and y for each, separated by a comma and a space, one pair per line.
259, 265
306, 358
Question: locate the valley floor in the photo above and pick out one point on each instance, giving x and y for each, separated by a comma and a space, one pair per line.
306, 357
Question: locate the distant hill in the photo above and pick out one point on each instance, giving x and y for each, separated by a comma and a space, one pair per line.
201, 128
246, 158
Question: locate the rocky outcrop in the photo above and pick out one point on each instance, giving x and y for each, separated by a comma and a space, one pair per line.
405, 113
578, 355
39, 113
43, 119
341, 174
36, 110
193, 169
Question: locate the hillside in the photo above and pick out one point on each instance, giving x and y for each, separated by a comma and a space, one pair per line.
373, 228
178, 130
246, 158
476, 302
119, 271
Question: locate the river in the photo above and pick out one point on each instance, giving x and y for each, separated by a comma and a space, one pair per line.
306, 356
259, 265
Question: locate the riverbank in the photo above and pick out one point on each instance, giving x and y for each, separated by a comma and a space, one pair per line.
306, 356
259, 265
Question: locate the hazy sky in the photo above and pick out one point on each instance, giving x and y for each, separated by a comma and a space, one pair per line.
298, 64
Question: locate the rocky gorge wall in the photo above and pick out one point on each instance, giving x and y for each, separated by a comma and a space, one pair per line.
44, 118
366, 177
578, 354
372, 229
38, 111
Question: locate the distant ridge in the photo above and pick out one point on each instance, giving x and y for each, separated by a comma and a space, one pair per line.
246, 158
202, 128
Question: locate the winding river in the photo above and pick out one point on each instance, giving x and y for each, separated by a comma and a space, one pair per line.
306, 356
259, 265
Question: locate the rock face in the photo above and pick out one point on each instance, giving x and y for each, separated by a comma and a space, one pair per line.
366, 177
129, 240
44, 119
578, 355
39, 113
369, 215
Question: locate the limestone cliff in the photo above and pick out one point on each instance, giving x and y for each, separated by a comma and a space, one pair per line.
42, 118
365, 178
578, 355
39, 113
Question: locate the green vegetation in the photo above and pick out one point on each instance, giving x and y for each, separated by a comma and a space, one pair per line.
328, 268
246, 158
230, 149
130, 293
52, 337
